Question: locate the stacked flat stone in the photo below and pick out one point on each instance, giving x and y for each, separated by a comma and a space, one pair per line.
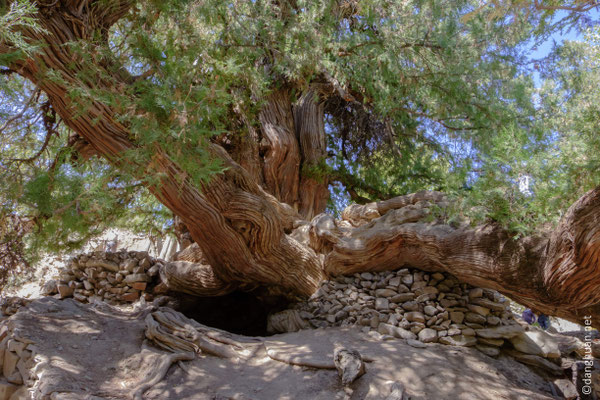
114, 277
414, 305
10, 305
16, 362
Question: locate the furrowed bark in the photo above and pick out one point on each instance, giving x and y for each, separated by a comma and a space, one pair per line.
310, 131
194, 278
282, 155
245, 150
572, 260
240, 229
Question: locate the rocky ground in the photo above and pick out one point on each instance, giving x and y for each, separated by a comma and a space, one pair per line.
72, 350
99, 333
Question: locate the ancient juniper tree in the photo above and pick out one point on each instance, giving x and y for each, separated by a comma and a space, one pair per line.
249, 120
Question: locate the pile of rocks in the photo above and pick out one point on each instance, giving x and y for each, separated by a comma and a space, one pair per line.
114, 277
10, 305
417, 306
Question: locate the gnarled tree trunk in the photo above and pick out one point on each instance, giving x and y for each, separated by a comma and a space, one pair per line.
260, 222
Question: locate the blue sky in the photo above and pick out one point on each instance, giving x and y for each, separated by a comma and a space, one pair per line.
557, 38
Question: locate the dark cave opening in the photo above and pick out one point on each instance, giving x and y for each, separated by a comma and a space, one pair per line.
238, 312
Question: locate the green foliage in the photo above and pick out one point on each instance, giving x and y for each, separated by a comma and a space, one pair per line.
19, 14
559, 149
58, 205
428, 95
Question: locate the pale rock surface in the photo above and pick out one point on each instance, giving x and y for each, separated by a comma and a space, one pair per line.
536, 342
349, 364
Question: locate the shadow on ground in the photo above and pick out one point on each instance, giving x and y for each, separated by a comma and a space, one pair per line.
97, 350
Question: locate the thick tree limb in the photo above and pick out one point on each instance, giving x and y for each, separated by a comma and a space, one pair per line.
194, 278
556, 275
361, 214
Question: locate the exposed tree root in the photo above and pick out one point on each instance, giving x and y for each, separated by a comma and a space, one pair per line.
160, 372
294, 360
172, 331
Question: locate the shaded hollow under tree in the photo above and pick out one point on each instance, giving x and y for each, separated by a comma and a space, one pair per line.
237, 312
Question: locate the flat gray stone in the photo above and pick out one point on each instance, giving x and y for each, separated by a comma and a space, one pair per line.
416, 343
430, 310
488, 350
428, 335
492, 305
387, 329
107, 265
395, 281
490, 342
457, 317
475, 318
478, 309
414, 316
410, 306
382, 304
385, 293
500, 332
536, 361
137, 278
402, 297
536, 342
65, 290
458, 340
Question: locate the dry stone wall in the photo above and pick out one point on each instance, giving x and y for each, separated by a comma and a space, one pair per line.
113, 277
422, 308
17, 361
